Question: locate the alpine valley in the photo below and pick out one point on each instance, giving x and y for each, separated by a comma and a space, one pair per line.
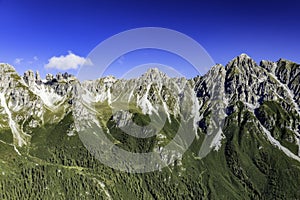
244, 118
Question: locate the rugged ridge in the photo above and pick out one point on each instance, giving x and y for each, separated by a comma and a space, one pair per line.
240, 80
245, 118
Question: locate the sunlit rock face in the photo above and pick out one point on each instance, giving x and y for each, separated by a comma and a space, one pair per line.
247, 114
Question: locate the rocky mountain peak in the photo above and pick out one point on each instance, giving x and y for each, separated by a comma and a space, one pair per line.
6, 68
242, 62
283, 60
29, 77
38, 77
153, 75
109, 79
217, 69
244, 55
49, 77
8, 76
268, 65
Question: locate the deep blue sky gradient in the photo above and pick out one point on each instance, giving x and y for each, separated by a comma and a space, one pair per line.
263, 29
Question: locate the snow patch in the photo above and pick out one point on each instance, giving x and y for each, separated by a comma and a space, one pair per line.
12, 124
297, 137
217, 141
290, 93
251, 106
48, 95
145, 104
277, 144
166, 110
108, 96
196, 113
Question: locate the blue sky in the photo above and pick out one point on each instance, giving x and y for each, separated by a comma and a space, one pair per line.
33, 31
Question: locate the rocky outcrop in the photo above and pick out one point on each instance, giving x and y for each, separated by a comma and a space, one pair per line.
207, 100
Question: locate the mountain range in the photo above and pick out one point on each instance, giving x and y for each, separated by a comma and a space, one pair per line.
238, 127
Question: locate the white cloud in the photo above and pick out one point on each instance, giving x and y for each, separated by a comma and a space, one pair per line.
35, 59
18, 60
70, 61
